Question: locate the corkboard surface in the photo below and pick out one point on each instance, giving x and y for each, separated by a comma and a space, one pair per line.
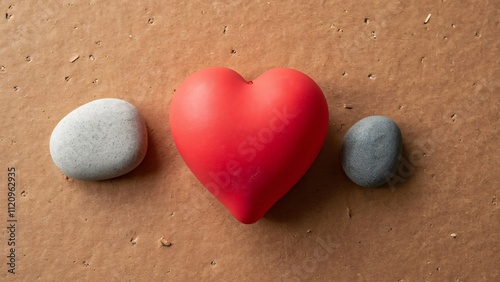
438, 80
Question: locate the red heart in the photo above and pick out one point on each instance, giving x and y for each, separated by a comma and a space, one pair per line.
249, 142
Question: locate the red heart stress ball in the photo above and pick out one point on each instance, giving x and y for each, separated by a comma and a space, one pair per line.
249, 142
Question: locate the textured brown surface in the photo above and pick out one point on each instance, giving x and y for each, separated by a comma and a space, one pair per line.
439, 81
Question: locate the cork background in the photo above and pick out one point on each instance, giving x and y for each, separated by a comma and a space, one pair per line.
432, 66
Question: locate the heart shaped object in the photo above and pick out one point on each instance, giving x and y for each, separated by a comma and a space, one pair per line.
249, 142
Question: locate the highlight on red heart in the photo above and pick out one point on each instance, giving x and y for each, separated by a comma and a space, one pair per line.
248, 142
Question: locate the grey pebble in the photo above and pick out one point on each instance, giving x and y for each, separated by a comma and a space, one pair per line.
102, 139
371, 151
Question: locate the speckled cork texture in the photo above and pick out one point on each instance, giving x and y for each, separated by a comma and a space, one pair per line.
438, 80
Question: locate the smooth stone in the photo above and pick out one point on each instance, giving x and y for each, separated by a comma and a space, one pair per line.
371, 151
102, 139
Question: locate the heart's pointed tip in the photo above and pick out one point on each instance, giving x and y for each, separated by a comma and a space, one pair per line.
247, 219
246, 214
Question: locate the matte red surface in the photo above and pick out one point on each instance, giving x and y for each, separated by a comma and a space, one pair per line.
249, 142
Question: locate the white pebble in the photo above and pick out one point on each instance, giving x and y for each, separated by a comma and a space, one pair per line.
102, 139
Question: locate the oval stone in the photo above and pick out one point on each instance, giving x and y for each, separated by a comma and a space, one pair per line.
371, 151
102, 139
